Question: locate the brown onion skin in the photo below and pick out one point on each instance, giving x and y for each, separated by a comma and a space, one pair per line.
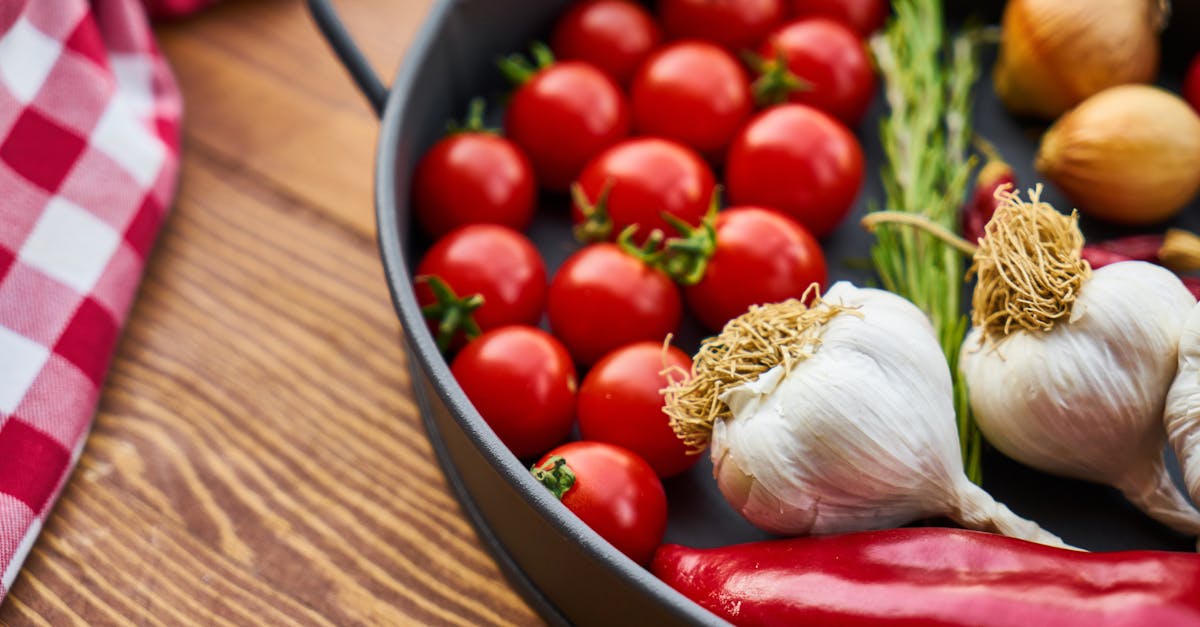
1056, 53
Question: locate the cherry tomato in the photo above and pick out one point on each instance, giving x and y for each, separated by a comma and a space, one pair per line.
493, 261
644, 178
603, 298
620, 403
692, 92
1191, 85
614, 35
473, 177
864, 16
612, 490
523, 384
831, 63
761, 257
798, 160
564, 115
732, 24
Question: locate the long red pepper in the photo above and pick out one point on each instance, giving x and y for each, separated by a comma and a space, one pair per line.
996, 173
933, 576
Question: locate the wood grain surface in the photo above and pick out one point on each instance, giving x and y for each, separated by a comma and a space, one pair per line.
257, 457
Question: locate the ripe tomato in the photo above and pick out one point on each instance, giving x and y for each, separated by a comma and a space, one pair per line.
692, 92
732, 24
473, 177
603, 297
613, 491
1191, 85
614, 35
564, 115
761, 257
620, 403
644, 177
798, 160
864, 16
830, 61
493, 261
523, 384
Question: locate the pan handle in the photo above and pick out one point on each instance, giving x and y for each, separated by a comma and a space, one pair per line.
348, 52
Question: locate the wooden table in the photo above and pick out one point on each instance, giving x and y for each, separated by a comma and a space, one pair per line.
257, 457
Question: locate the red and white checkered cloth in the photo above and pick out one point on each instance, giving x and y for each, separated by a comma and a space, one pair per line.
89, 143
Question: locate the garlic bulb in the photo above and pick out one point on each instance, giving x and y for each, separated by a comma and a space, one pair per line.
1129, 154
1068, 369
1056, 53
1182, 418
833, 418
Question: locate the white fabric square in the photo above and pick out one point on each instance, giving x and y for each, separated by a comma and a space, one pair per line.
26, 58
124, 136
21, 359
10, 573
70, 244
135, 81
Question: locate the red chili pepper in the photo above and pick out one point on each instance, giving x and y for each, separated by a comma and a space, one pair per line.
995, 174
933, 576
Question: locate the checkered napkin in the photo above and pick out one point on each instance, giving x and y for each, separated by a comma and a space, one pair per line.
89, 142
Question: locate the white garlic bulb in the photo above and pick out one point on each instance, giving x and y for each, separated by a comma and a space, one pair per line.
857, 431
1182, 417
1067, 369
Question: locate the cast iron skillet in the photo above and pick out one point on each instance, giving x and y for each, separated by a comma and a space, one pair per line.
565, 571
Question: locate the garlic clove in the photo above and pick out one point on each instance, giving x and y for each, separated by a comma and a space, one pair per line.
1085, 399
1130, 154
1056, 53
1182, 416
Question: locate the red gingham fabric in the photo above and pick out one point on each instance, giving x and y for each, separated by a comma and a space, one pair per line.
89, 142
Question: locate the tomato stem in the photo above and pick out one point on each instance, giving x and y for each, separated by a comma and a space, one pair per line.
597, 224
451, 313
518, 69
685, 258
474, 120
556, 475
775, 82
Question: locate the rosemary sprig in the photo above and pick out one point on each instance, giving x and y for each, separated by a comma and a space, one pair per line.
928, 89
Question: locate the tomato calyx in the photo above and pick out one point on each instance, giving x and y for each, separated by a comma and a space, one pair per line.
685, 258
597, 224
518, 69
473, 122
556, 475
451, 313
775, 82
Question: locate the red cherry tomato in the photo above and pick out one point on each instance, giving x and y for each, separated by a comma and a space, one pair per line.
798, 160
692, 92
603, 297
473, 177
620, 403
832, 63
1191, 85
563, 116
614, 35
646, 177
864, 16
613, 491
761, 257
732, 24
523, 384
493, 261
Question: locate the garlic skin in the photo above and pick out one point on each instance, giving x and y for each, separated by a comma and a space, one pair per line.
1182, 418
1085, 399
1056, 53
860, 435
1129, 155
